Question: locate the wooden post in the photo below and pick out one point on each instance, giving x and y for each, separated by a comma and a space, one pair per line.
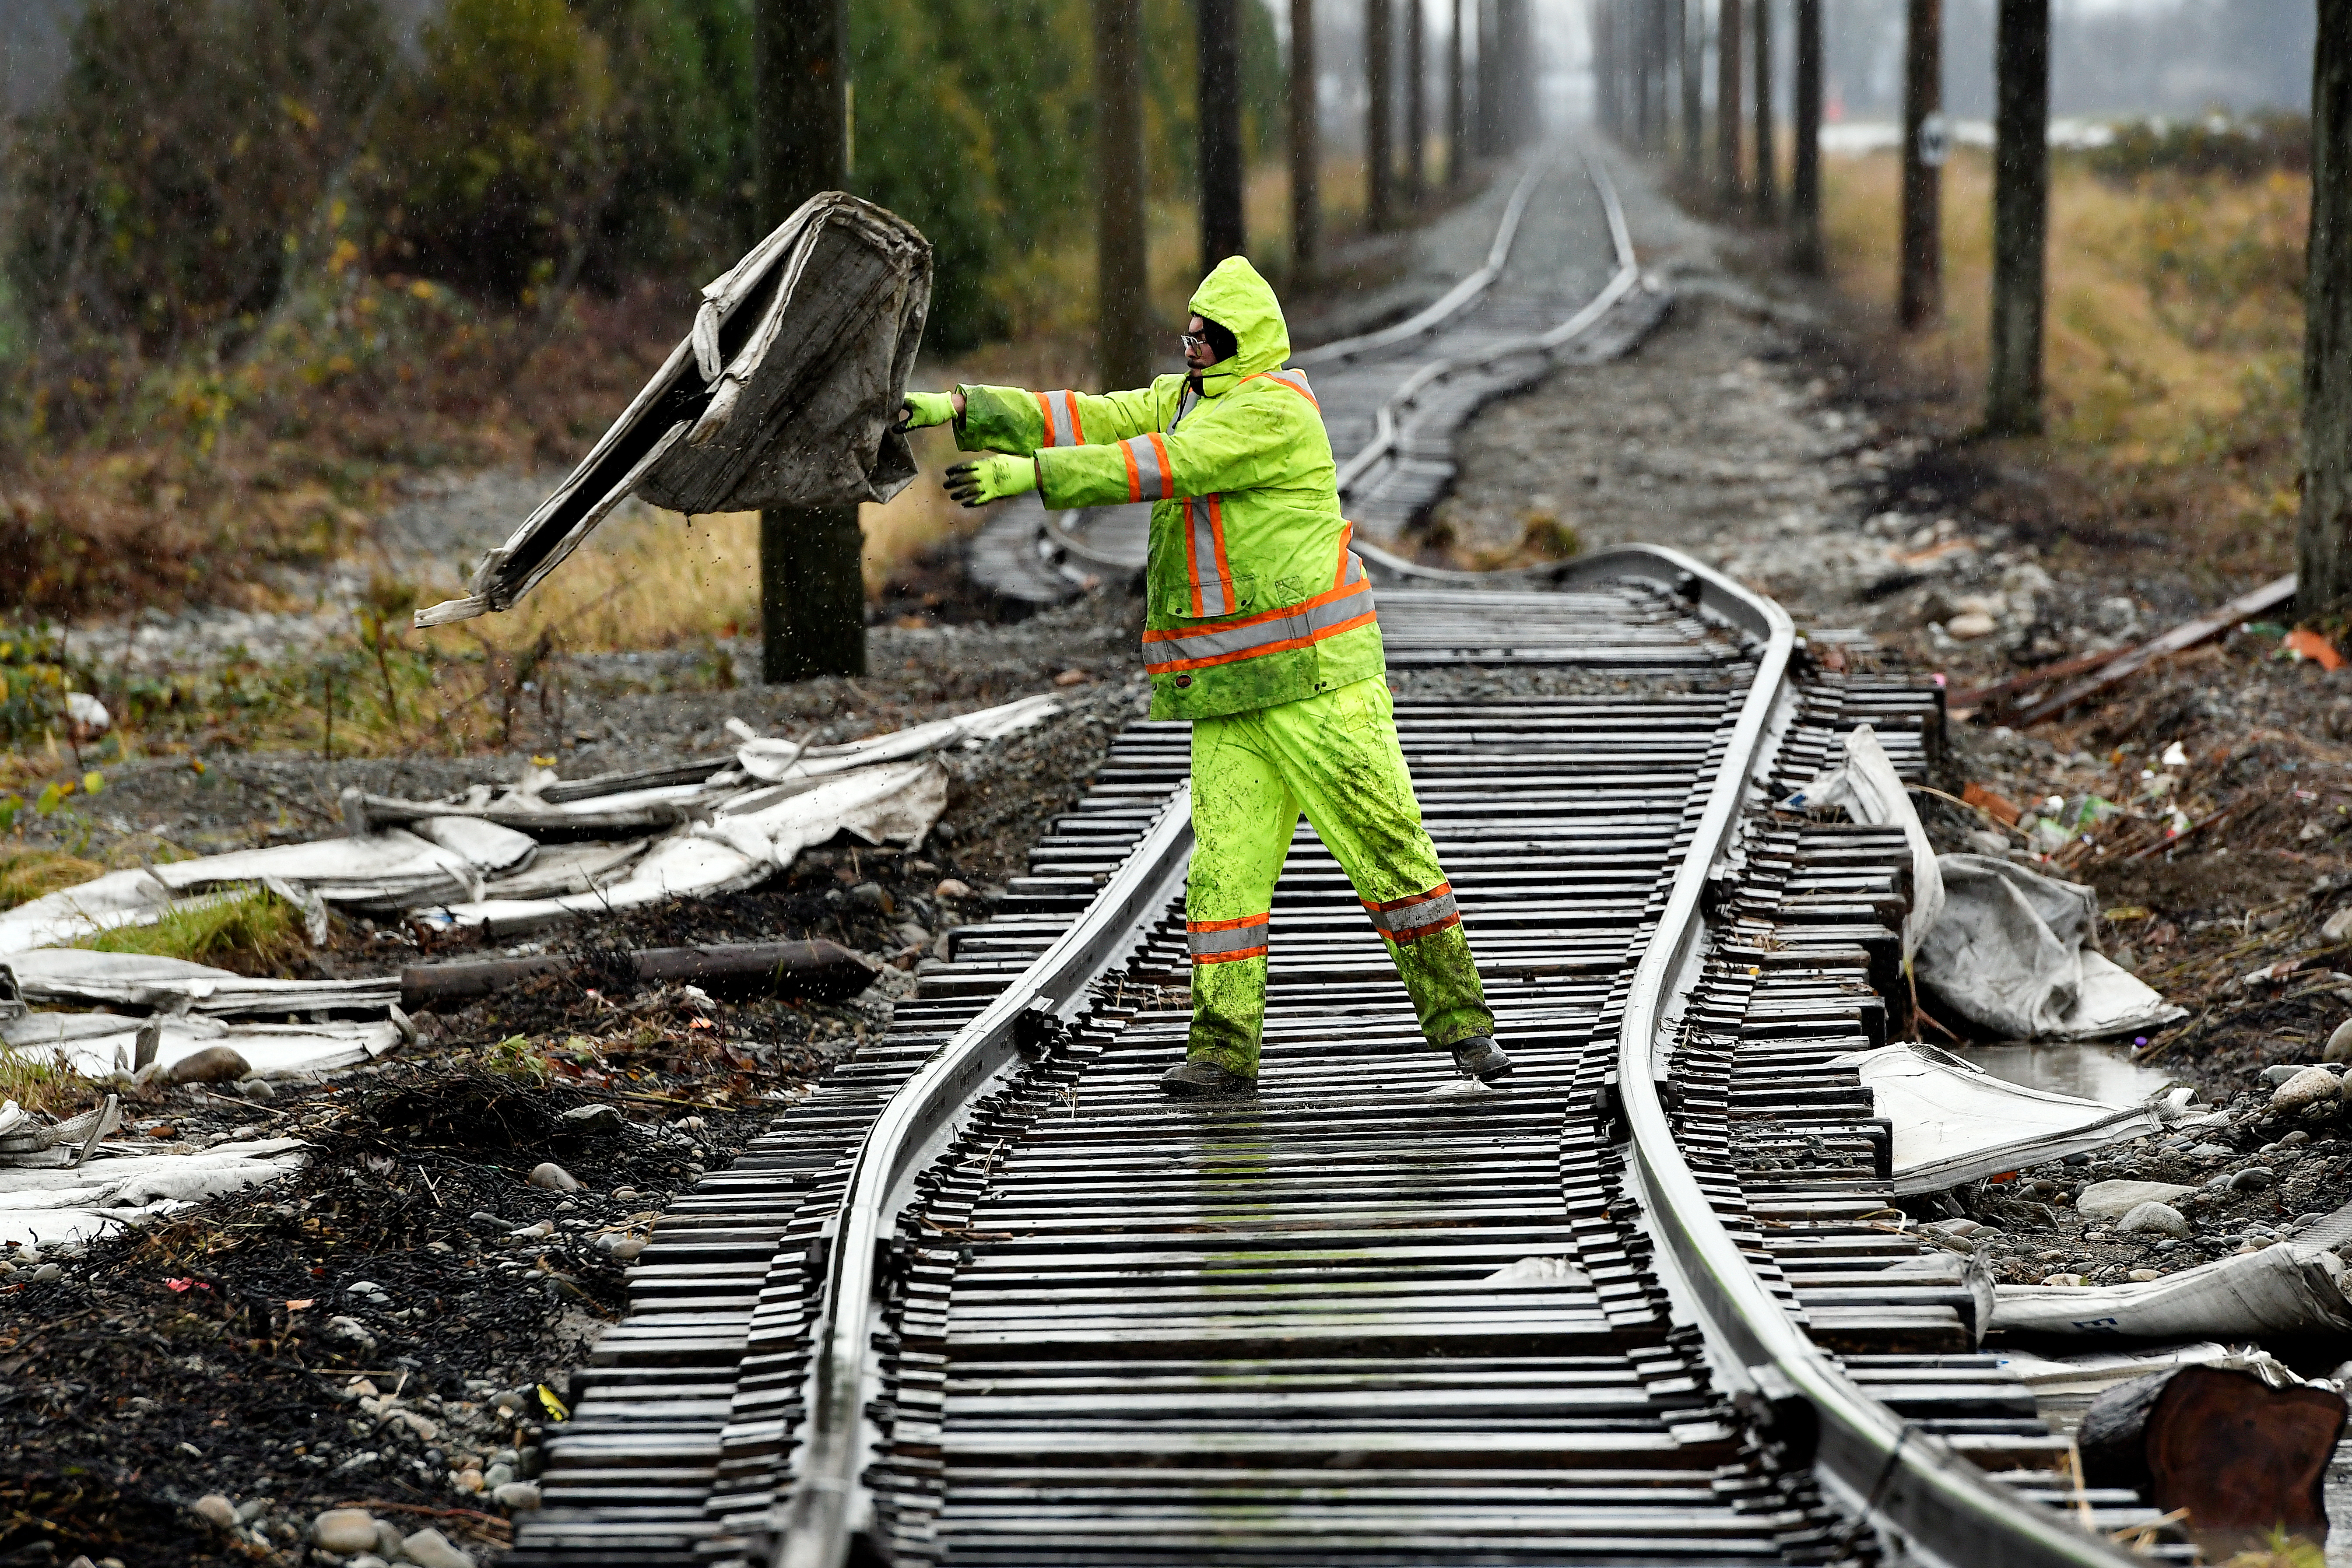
1729, 25
1457, 105
1805, 176
1920, 295
2021, 215
811, 591
2323, 544
1219, 83
1305, 144
1767, 167
1416, 101
1380, 87
1122, 326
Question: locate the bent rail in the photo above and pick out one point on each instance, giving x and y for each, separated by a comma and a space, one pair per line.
829, 1503
1867, 1456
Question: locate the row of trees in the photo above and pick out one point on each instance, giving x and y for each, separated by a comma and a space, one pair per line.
199, 155
1649, 52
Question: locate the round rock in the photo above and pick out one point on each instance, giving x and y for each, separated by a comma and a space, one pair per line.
218, 1509
213, 1064
595, 1118
2154, 1218
344, 1530
555, 1178
2254, 1179
431, 1549
2339, 1044
2310, 1086
517, 1497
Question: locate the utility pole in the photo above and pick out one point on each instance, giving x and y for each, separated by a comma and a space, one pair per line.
1218, 83
1805, 177
1728, 25
812, 590
1655, 118
1122, 326
1457, 106
1920, 294
1305, 144
1516, 24
1768, 167
2323, 541
2021, 215
1416, 101
1379, 85
1600, 19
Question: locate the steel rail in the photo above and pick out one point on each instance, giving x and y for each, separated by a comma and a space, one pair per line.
1891, 1475
1473, 284
829, 1505
1623, 281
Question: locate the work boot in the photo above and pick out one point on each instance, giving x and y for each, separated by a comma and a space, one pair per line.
1204, 1080
1481, 1058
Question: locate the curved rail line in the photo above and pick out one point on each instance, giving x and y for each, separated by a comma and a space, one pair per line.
1866, 1455
1472, 374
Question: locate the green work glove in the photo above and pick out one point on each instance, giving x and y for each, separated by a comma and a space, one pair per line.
984, 479
925, 408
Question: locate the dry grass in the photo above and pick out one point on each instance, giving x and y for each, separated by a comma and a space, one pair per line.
28, 874
2174, 336
47, 1086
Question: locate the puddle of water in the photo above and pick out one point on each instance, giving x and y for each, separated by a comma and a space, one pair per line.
2105, 1073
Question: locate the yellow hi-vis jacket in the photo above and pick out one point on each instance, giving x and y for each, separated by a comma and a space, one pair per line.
1253, 596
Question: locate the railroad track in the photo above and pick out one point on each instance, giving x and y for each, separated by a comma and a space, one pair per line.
1559, 285
987, 1297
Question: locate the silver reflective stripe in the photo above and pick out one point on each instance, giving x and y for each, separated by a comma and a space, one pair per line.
1062, 419
1414, 919
1245, 941
1210, 587
1151, 479
1298, 625
1355, 569
1293, 378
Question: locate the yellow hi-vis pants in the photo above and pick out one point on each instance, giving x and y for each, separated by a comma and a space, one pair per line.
1335, 756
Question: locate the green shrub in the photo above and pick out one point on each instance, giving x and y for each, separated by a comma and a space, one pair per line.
2238, 146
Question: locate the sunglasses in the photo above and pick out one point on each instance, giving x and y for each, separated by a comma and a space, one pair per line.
1193, 339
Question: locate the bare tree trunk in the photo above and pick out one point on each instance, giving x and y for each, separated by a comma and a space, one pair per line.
811, 592
1600, 20
1683, 63
1728, 26
1490, 76
1805, 176
2323, 545
1380, 91
1219, 83
1457, 105
1122, 329
1416, 101
1768, 167
1305, 144
2021, 215
1516, 22
1656, 90
1920, 296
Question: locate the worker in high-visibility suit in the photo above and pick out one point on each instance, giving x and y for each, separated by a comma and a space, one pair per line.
1259, 629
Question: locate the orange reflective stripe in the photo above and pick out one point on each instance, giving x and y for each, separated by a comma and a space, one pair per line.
1283, 378
1193, 556
1217, 533
1134, 474
1346, 532
1282, 645
1169, 634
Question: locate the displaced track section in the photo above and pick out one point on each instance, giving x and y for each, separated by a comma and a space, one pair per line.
1559, 285
988, 1298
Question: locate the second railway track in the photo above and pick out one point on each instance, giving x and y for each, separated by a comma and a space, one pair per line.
986, 1296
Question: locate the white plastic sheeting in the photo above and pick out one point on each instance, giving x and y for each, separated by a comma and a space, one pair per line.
95, 1043
78, 976
54, 1206
438, 857
2016, 952
2095, 1373
745, 840
1871, 791
1955, 1123
2285, 1289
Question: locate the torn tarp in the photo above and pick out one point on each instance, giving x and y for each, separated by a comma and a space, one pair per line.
783, 394
1955, 1123
2016, 952
52, 1207
2285, 1289
79, 977
1869, 789
96, 1044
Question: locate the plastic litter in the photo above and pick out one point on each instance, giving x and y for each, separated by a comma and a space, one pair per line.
2014, 952
2283, 1289
1955, 1123
1867, 786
